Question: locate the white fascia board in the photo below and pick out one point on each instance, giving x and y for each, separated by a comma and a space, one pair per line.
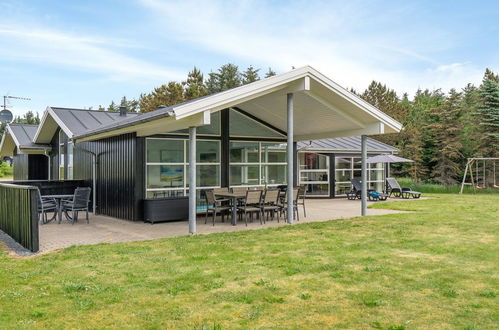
59, 122
244, 93
12, 135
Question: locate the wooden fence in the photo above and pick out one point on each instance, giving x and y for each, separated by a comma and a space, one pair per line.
19, 214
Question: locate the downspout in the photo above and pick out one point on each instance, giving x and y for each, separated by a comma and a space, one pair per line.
94, 175
47, 154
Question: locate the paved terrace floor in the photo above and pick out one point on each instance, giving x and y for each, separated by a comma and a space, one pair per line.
103, 229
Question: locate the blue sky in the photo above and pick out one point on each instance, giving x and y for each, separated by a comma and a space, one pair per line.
87, 53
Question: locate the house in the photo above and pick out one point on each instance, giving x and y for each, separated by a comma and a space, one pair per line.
242, 136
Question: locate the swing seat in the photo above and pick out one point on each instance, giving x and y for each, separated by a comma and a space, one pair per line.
480, 187
494, 186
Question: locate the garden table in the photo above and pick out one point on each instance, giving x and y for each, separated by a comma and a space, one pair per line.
58, 201
234, 197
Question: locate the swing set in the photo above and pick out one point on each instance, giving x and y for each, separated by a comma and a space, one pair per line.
479, 181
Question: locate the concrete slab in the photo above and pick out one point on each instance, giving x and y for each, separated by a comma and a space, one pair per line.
102, 229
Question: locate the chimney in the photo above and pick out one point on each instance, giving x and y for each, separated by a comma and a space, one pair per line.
122, 111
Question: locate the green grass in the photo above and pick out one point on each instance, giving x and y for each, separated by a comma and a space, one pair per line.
7, 178
435, 268
433, 188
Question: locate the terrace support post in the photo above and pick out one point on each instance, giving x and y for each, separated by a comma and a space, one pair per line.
94, 182
289, 147
363, 175
192, 180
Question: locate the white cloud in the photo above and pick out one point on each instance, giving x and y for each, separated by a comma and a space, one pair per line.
85, 53
350, 43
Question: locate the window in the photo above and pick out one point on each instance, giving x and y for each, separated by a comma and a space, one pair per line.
314, 173
243, 126
257, 163
167, 166
212, 129
70, 148
348, 168
62, 154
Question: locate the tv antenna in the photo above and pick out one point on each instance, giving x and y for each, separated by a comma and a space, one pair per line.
6, 115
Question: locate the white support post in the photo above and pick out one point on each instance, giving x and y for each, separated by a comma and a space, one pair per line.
192, 180
364, 175
289, 194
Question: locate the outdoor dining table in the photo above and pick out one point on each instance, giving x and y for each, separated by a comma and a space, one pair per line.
58, 202
234, 197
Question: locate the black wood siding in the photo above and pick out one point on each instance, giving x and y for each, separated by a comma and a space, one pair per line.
120, 168
30, 167
20, 167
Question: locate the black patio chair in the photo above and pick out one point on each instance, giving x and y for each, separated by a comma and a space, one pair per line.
398, 191
214, 206
80, 201
46, 205
302, 198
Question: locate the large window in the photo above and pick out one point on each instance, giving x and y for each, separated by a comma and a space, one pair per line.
243, 126
65, 157
348, 168
168, 166
257, 163
314, 173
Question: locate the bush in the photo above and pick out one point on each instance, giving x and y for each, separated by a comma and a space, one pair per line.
5, 169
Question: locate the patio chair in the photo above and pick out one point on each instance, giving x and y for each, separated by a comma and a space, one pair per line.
251, 204
296, 196
238, 190
80, 201
46, 205
270, 204
214, 206
397, 191
356, 190
221, 191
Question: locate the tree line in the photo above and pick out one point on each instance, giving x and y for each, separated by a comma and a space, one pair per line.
441, 130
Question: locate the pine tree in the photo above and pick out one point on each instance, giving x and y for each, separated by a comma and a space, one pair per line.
229, 76
488, 116
28, 118
112, 107
270, 73
194, 85
446, 132
164, 95
212, 84
250, 75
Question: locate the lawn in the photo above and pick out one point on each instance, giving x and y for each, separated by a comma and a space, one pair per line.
434, 268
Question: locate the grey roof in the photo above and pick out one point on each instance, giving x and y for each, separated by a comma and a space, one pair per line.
24, 134
81, 121
345, 144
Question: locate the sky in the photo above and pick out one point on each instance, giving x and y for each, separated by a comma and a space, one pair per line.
88, 53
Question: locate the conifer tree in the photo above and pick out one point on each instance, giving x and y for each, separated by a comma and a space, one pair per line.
488, 116
212, 84
447, 129
164, 95
250, 75
229, 76
194, 85
270, 73
112, 107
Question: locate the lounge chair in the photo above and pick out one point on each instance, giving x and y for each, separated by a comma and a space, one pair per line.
372, 194
397, 191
